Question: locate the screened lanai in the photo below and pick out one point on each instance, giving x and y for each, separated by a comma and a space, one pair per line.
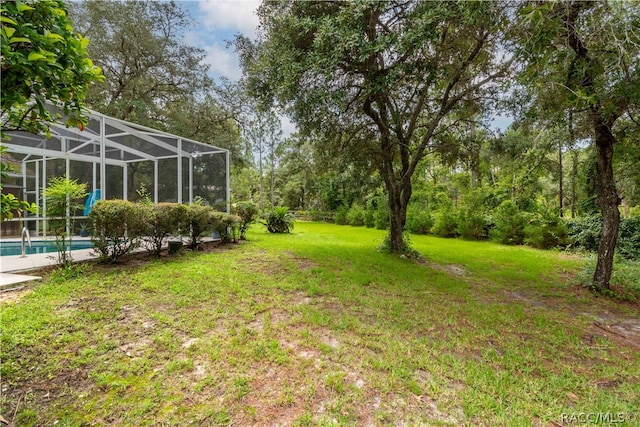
116, 160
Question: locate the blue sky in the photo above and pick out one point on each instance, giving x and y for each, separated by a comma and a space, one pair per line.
216, 23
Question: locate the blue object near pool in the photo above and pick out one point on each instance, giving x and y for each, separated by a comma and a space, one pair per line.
93, 198
38, 247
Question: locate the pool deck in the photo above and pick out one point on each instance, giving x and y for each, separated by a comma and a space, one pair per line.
11, 266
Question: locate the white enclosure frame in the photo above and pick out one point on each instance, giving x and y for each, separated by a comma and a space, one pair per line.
107, 141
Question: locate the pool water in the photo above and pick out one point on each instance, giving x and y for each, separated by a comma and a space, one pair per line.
38, 247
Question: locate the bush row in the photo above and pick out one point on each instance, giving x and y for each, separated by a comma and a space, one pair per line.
117, 227
507, 224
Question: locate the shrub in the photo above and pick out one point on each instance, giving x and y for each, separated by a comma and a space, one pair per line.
340, 216
472, 222
198, 221
165, 219
546, 233
381, 215
419, 220
510, 223
279, 220
629, 238
546, 229
117, 227
584, 232
386, 247
247, 213
226, 225
445, 224
370, 216
355, 215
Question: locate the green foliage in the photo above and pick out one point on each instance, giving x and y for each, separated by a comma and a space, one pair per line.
117, 227
381, 214
198, 220
9, 203
355, 215
370, 215
279, 220
471, 220
386, 247
144, 196
629, 238
144, 59
510, 223
226, 225
164, 219
544, 228
584, 234
340, 216
63, 197
419, 220
43, 60
445, 224
247, 212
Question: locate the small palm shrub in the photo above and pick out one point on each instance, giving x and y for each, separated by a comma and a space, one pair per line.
279, 220
247, 212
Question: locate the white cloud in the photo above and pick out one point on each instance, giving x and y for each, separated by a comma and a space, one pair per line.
222, 61
235, 15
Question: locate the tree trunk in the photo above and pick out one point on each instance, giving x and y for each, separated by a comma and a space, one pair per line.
608, 201
574, 164
261, 181
560, 181
574, 181
399, 192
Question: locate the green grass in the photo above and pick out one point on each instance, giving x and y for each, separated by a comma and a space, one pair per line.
317, 328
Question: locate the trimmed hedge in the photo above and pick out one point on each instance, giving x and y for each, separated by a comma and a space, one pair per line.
116, 227
166, 218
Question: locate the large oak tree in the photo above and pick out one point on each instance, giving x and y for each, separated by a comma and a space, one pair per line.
398, 70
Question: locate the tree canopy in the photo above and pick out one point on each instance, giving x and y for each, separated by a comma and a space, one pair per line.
43, 60
390, 75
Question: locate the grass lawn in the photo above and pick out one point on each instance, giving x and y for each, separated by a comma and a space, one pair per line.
317, 328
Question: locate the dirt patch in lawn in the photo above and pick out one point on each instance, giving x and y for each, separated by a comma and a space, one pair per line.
13, 296
301, 263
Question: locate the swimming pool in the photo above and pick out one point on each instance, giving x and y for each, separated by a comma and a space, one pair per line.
39, 247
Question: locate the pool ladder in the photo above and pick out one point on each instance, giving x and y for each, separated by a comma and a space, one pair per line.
25, 238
